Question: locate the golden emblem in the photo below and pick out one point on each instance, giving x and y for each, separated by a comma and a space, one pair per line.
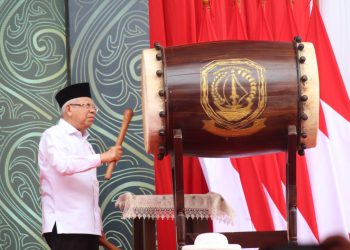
233, 95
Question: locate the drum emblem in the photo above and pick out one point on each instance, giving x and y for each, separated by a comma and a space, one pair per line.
233, 95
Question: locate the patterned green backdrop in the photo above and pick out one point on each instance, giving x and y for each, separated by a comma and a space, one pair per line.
106, 39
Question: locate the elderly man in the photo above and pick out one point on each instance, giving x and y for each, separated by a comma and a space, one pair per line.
71, 217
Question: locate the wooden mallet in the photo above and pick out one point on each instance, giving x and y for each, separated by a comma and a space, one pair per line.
128, 113
107, 244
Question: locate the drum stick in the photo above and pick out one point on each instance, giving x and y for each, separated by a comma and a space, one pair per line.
128, 113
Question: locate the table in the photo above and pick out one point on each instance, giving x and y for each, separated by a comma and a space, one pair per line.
145, 209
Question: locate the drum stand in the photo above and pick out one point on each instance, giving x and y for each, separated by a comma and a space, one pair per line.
245, 239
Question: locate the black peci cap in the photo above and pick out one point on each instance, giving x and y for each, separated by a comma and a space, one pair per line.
73, 91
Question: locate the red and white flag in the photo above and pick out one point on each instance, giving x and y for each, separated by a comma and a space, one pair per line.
255, 186
249, 184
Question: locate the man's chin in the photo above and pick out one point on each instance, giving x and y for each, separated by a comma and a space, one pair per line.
89, 123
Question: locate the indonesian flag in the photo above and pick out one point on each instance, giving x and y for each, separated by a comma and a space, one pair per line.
250, 185
255, 186
328, 163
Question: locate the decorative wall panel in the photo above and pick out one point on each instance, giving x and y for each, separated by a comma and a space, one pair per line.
32, 69
106, 39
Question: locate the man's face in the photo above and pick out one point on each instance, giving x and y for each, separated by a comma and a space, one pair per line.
82, 113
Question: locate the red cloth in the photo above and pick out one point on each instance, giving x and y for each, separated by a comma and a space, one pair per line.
207, 31
289, 27
263, 30
250, 14
238, 28
258, 206
275, 12
332, 88
301, 10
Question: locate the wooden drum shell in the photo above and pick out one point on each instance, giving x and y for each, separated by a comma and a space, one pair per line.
198, 82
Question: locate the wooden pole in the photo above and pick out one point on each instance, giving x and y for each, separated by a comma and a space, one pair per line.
105, 243
291, 4
206, 3
238, 5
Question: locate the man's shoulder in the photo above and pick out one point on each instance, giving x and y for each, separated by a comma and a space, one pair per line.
52, 131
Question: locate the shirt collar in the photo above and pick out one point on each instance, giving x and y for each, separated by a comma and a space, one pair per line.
70, 129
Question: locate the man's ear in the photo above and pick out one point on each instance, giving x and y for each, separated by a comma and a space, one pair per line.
68, 111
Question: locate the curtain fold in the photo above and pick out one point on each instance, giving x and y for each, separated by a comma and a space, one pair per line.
237, 30
207, 31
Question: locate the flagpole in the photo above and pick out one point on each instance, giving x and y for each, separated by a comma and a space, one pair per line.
206, 3
292, 3
238, 2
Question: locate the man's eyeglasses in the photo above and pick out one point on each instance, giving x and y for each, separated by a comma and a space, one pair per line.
87, 106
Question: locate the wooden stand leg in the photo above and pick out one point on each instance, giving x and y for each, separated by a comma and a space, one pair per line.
149, 234
138, 234
144, 234
178, 189
246, 239
291, 190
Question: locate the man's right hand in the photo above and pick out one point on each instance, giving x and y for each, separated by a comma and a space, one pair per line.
112, 154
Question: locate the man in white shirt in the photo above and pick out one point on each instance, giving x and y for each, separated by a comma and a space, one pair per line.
71, 217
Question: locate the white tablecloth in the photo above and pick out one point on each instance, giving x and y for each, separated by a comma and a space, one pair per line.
199, 206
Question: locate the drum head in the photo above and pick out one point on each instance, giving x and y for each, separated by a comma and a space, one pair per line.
152, 103
310, 88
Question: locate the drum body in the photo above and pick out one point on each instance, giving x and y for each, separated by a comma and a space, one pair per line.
229, 98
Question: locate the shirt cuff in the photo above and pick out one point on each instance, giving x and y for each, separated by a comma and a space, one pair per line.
96, 158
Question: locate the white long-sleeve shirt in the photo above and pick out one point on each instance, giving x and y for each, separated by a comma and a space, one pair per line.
68, 182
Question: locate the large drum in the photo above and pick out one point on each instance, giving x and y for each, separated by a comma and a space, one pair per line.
230, 98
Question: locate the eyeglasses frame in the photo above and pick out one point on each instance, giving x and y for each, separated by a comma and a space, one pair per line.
87, 106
